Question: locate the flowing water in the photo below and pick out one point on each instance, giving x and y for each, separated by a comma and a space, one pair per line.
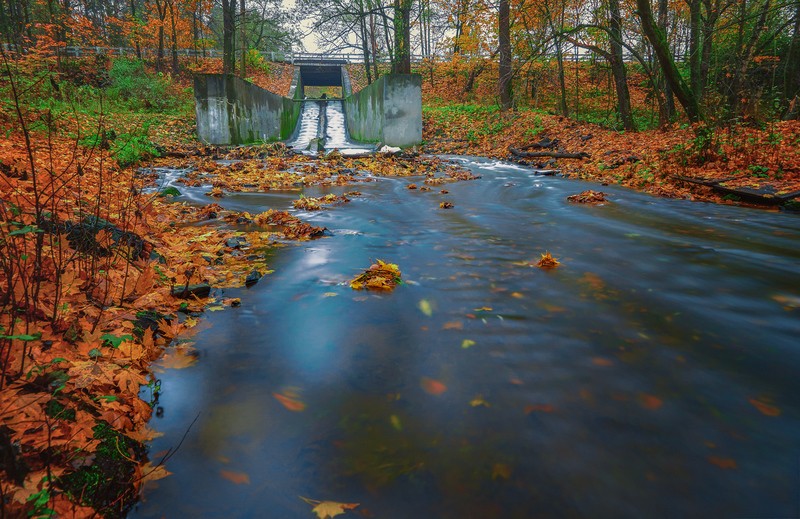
329, 130
653, 374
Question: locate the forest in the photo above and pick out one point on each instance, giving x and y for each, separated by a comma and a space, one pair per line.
102, 272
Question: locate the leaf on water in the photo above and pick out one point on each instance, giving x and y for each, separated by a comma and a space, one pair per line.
396, 422
330, 294
651, 402
479, 401
765, 408
453, 325
291, 402
518, 295
425, 307
501, 471
152, 472
432, 386
484, 309
547, 261
588, 197
239, 478
466, 343
602, 361
179, 357
541, 408
215, 308
723, 463
379, 276
328, 509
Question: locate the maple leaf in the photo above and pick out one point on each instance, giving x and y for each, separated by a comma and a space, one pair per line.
328, 509
547, 261
290, 402
152, 472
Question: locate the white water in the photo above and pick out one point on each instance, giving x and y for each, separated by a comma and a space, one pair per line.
335, 132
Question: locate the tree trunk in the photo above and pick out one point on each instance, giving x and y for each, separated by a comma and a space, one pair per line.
402, 37
694, 49
667, 111
228, 29
243, 37
136, 33
618, 67
673, 77
792, 73
504, 33
174, 39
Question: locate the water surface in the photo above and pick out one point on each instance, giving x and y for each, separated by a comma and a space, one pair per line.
653, 374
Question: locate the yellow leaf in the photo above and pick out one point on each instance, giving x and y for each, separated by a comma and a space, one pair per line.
396, 422
478, 401
466, 343
328, 509
425, 307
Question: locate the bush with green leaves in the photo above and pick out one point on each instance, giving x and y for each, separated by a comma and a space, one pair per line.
130, 82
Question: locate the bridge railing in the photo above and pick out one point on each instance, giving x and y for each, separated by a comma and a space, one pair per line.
285, 56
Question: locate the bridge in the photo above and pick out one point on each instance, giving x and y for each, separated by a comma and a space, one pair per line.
230, 110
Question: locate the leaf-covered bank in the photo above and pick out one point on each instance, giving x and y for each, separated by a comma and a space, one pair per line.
673, 162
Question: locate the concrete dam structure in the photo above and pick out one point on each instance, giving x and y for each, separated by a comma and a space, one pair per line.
232, 111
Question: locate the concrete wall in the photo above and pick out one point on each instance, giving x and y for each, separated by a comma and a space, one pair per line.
230, 110
388, 111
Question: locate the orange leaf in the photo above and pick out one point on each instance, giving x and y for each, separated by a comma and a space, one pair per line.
767, 409
239, 478
602, 361
433, 387
292, 404
650, 401
453, 325
723, 463
544, 408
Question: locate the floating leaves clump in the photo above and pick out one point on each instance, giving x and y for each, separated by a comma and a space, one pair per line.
379, 276
446, 205
315, 204
547, 261
588, 197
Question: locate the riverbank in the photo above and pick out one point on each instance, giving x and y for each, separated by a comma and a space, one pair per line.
677, 162
104, 270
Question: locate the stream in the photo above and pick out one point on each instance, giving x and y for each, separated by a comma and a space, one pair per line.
654, 373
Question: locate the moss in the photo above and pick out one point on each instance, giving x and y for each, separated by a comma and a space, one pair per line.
106, 484
56, 409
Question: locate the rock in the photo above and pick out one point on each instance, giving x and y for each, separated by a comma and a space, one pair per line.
389, 150
237, 242
252, 278
185, 292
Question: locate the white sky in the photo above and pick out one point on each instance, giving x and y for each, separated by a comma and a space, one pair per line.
309, 41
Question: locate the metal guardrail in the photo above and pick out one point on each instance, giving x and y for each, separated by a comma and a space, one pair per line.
569, 54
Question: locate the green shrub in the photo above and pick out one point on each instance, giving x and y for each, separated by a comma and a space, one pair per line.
131, 83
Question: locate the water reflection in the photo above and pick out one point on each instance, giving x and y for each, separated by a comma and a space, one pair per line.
652, 374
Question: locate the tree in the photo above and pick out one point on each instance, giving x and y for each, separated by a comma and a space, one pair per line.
658, 40
504, 38
402, 37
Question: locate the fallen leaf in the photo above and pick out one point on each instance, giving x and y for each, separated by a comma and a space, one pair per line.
602, 361
501, 471
542, 408
290, 402
765, 408
723, 463
425, 307
239, 478
396, 422
330, 294
152, 472
453, 325
433, 387
547, 261
650, 401
328, 509
466, 343
518, 295
479, 401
